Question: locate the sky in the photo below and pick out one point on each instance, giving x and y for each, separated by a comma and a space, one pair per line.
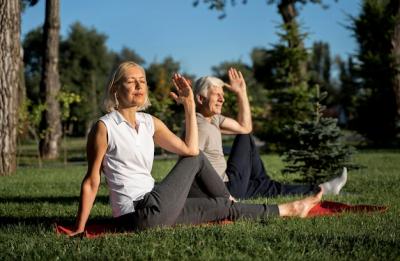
194, 36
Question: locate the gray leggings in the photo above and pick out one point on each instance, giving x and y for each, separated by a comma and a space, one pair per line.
192, 193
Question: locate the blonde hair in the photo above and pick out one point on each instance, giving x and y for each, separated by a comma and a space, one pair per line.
110, 99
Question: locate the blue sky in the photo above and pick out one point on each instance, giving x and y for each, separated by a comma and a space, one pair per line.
196, 37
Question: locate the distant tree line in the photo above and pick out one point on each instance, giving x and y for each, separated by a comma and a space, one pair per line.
364, 89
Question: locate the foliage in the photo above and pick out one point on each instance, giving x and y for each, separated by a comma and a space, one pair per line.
84, 66
85, 63
27, 3
160, 85
29, 118
33, 52
66, 99
279, 67
349, 88
29, 114
126, 54
318, 152
376, 110
319, 69
220, 5
256, 93
279, 71
83, 60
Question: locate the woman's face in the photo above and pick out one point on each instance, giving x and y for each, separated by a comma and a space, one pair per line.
133, 89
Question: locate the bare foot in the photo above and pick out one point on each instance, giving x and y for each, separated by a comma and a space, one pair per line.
299, 208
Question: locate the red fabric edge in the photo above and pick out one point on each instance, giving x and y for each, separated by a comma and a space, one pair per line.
329, 208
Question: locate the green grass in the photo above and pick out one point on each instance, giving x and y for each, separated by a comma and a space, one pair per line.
33, 199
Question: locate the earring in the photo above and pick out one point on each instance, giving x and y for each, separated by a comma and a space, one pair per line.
116, 101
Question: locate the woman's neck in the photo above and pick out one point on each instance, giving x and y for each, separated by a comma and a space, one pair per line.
129, 114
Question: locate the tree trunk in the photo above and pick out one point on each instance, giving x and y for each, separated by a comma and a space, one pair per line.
287, 10
50, 126
395, 4
10, 65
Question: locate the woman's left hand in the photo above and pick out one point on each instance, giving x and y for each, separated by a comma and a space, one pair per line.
237, 82
184, 93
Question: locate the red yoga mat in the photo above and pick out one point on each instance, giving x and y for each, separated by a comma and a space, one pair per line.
325, 208
330, 208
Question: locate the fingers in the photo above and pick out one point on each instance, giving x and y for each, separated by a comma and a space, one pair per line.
185, 83
77, 234
234, 74
240, 75
231, 74
180, 82
174, 96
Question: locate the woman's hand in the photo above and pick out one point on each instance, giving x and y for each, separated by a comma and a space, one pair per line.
76, 233
231, 198
184, 94
237, 82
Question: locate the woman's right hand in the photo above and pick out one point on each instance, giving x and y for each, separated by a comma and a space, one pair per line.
76, 233
231, 198
184, 94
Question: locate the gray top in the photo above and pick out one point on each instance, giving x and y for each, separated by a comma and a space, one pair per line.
210, 142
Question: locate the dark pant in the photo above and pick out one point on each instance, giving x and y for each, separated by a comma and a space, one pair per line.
192, 193
248, 177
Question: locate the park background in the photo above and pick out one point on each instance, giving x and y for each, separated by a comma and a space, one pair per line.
348, 49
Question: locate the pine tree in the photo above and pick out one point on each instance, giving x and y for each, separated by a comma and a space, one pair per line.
319, 151
280, 70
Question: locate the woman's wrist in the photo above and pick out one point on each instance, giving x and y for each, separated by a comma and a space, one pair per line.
241, 92
189, 106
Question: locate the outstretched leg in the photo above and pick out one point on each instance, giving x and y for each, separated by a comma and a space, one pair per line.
334, 186
201, 210
248, 177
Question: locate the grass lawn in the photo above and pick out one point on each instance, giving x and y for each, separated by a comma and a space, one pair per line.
33, 199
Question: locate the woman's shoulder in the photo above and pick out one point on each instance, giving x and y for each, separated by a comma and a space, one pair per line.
142, 116
108, 116
146, 119
217, 119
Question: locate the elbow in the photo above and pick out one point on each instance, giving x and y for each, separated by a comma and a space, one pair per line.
246, 130
193, 152
249, 129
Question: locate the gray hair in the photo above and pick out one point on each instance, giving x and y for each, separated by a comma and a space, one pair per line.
110, 100
202, 85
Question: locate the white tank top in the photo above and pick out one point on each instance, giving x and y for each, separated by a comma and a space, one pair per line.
128, 161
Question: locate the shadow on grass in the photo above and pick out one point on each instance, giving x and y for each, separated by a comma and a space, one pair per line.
50, 221
49, 199
47, 221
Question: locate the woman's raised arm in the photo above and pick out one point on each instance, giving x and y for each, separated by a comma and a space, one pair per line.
165, 138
